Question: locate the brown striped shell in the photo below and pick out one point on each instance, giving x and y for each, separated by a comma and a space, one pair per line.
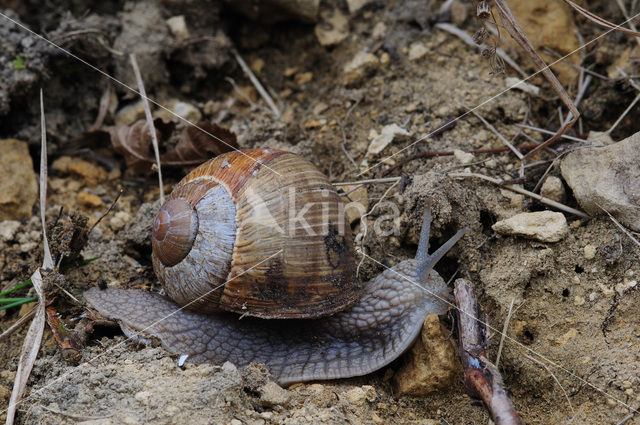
258, 232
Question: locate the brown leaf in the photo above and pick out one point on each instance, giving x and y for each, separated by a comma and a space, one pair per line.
198, 144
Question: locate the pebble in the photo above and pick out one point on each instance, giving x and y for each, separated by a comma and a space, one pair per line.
303, 78
18, 181
355, 5
544, 226
130, 113
379, 30
386, 136
8, 230
432, 363
566, 337
333, 29
553, 189
119, 220
235, 422
356, 203
417, 50
178, 27
271, 394
92, 173
320, 108
177, 108
589, 252
359, 67
358, 395
463, 157
578, 300
607, 178
89, 200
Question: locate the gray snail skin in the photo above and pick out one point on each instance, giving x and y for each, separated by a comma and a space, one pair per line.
244, 289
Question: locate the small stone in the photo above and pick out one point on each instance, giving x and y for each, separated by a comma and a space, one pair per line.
144, 396
119, 220
91, 173
417, 50
333, 29
515, 199
553, 189
359, 67
289, 72
130, 113
303, 78
379, 30
176, 109
387, 135
178, 27
89, 200
358, 395
623, 286
257, 65
235, 422
544, 226
459, 12
432, 363
607, 179
629, 392
463, 157
18, 181
589, 252
8, 230
355, 5
356, 203
314, 124
385, 58
578, 300
271, 394
5, 393
320, 108
611, 403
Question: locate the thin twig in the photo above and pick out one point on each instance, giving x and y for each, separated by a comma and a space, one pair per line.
33, 339
18, 324
343, 123
624, 114
113, 204
369, 181
254, 80
522, 191
617, 223
545, 131
602, 22
504, 331
497, 133
152, 127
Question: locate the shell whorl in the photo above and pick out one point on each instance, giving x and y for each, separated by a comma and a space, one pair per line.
174, 230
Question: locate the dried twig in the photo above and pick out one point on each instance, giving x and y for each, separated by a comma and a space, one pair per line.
522, 191
512, 26
600, 21
498, 134
18, 324
254, 80
554, 378
620, 226
32, 341
505, 327
152, 128
481, 378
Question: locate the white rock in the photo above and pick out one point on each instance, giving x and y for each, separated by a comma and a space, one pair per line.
333, 29
178, 27
387, 135
553, 188
544, 226
463, 157
417, 50
589, 252
355, 5
359, 67
8, 230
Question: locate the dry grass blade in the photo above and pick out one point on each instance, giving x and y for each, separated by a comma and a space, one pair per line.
31, 344
600, 21
152, 128
512, 26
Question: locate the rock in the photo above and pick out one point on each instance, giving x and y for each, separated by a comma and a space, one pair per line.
89, 200
553, 189
303, 78
589, 252
271, 394
379, 31
18, 181
566, 337
432, 363
386, 136
463, 157
91, 173
178, 27
549, 23
130, 113
355, 5
333, 29
417, 50
358, 395
179, 108
119, 220
8, 230
607, 179
544, 226
359, 67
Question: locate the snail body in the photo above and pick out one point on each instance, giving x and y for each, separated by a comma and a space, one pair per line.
230, 245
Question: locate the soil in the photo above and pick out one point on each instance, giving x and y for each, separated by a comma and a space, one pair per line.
571, 352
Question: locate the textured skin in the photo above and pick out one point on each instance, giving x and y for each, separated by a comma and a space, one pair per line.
357, 341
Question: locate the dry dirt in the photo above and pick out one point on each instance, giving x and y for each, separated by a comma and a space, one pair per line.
572, 352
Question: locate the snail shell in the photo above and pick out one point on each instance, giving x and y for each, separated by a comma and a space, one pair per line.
259, 232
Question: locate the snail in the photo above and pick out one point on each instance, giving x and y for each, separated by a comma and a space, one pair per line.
252, 244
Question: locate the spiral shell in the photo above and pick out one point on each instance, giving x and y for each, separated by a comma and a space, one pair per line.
259, 232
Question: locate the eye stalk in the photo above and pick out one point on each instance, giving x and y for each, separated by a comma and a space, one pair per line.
174, 230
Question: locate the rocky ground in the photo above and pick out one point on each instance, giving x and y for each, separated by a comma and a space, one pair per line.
362, 87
